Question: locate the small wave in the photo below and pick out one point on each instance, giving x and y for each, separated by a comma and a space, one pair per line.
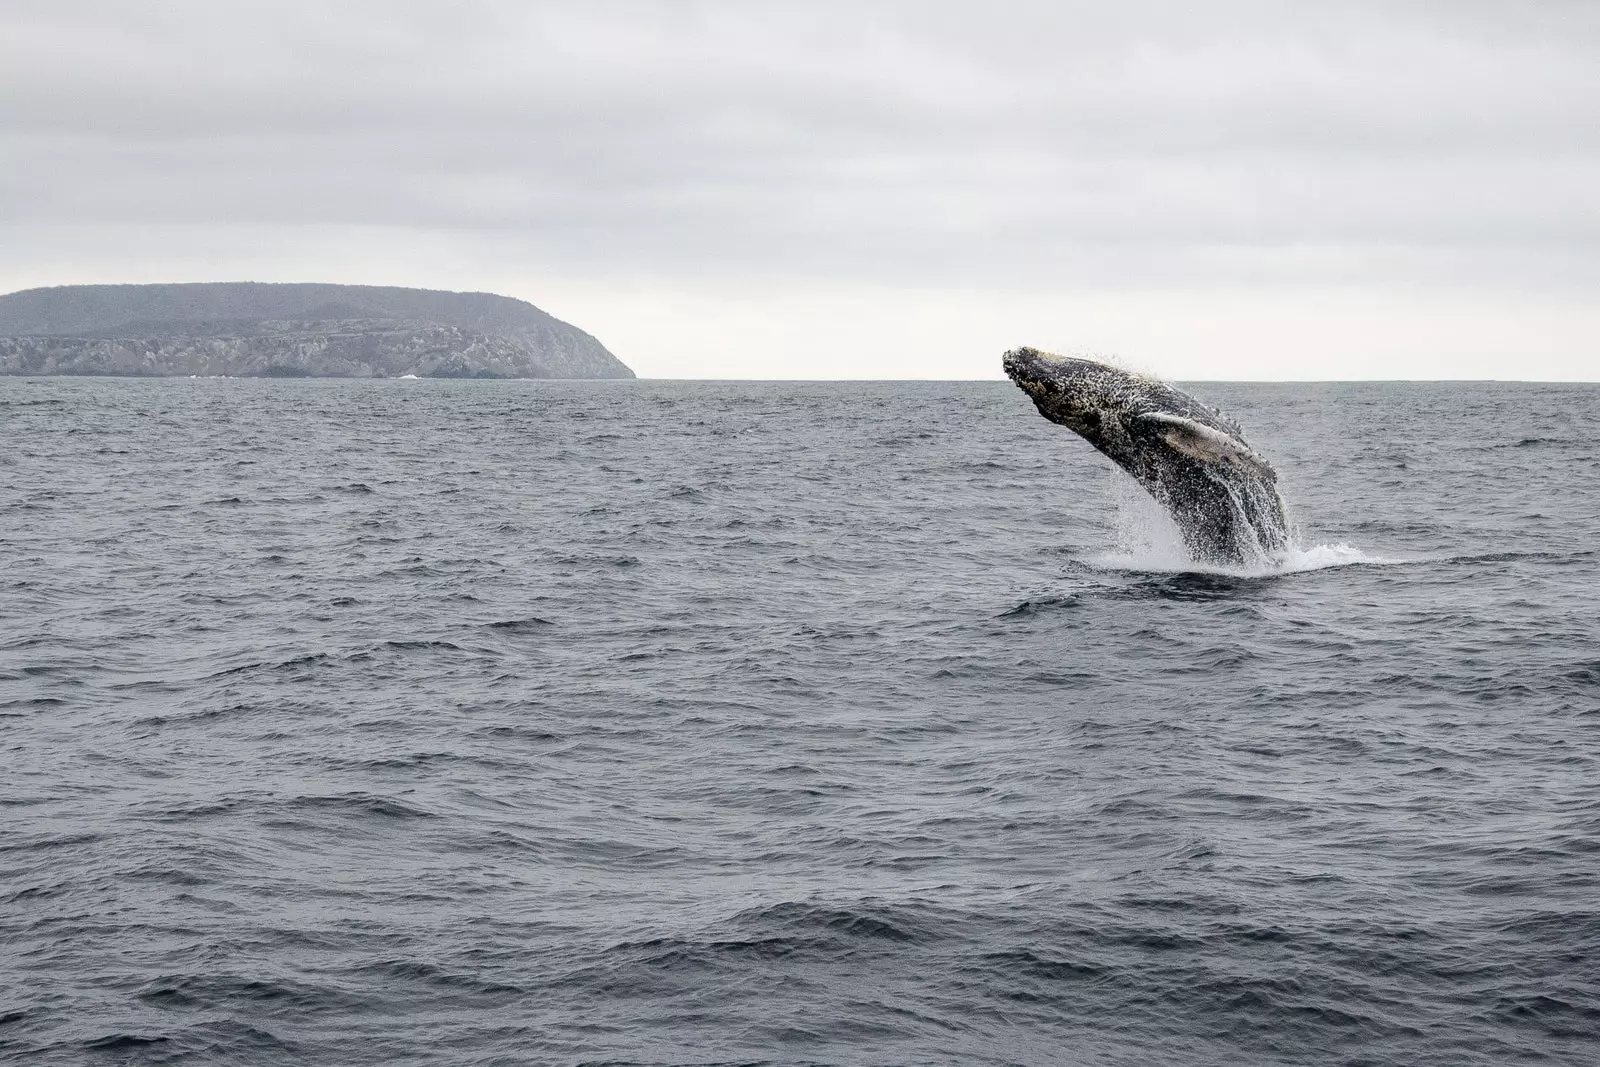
1041, 605
310, 659
788, 930
1512, 557
124, 1043
359, 804
531, 624
865, 920
423, 646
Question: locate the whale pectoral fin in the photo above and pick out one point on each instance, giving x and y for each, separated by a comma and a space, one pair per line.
1199, 441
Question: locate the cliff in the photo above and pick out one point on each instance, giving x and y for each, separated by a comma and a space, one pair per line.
290, 330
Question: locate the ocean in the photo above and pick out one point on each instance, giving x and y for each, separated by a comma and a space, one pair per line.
442, 722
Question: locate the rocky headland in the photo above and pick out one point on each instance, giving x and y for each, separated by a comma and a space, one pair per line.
252, 329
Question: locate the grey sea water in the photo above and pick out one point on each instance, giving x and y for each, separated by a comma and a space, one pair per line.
648, 722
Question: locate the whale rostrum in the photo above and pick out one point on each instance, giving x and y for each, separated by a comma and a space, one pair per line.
1192, 459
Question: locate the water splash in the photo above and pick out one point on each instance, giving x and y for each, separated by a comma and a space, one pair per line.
1145, 538
1321, 557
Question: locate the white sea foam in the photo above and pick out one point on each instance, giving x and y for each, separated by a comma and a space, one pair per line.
1145, 539
1321, 557
1296, 559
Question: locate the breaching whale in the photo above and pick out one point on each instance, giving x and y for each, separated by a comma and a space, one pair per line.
1220, 492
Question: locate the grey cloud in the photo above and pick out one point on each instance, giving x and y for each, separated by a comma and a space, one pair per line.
929, 142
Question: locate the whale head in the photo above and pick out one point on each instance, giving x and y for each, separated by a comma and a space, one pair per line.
1080, 394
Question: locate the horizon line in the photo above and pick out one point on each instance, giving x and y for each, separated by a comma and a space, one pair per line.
798, 381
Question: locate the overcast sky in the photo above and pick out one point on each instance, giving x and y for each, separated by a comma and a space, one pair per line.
746, 189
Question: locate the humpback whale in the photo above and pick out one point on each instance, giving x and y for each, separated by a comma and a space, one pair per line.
1191, 458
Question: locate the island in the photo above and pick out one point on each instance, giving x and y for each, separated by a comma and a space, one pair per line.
257, 329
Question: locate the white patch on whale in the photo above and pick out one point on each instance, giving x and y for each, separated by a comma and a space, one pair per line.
1201, 442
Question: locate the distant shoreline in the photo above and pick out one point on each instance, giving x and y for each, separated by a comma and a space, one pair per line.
289, 330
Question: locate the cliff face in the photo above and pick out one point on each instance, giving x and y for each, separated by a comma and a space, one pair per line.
251, 329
